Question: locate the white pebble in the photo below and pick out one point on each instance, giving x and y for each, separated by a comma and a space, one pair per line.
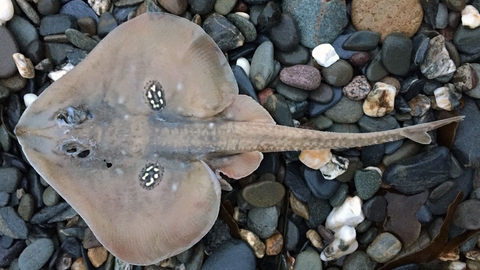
57, 74
28, 99
349, 213
470, 17
6, 11
335, 167
325, 55
244, 64
343, 244
243, 14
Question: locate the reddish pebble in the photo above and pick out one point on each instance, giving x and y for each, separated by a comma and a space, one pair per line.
301, 76
264, 94
359, 59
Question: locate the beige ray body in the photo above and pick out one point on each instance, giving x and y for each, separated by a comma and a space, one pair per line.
133, 136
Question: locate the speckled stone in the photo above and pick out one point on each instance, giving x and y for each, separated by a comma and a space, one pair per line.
264, 194
367, 183
301, 76
358, 88
318, 21
387, 16
245, 26
80, 40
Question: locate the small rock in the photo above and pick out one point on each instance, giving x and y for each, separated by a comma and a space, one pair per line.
201, 7
79, 264
359, 59
396, 53
465, 78
286, 27
222, 7
315, 159
437, 61
29, 11
262, 65
34, 256
301, 76
325, 55
274, 244
298, 56
340, 195
295, 182
319, 210
177, 7
245, 26
375, 71
335, 167
375, 209
466, 39
231, 255
100, 6
344, 243
419, 105
6, 11
318, 185
367, 183
269, 15
97, 255
26, 207
255, 243
48, 7
384, 247
264, 194
465, 149
223, 32
307, 260
470, 17
346, 111
106, 24
315, 238
358, 260
50, 196
349, 213
263, 221
80, 40
9, 47
380, 100
24, 66
56, 24
324, 94
338, 74
447, 97
11, 224
362, 41
78, 9
244, 64
23, 31
465, 215
10, 179
278, 108
358, 88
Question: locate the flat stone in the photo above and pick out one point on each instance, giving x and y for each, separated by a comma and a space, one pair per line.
262, 66
201, 7
292, 93
264, 194
323, 94
9, 256
339, 73
23, 31
34, 256
245, 26
308, 260
80, 40
10, 179
78, 9
367, 183
278, 108
375, 70
420, 172
358, 260
377, 16
346, 111
270, 15
319, 210
9, 47
263, 221
11, 224
318, 185
298, 56
286, 27
318, 21
106, 24
384, 247
295, 183
466, 40
466, 216
375, 209
223, 7
396, 53
464, 147
26, 207
362, 41
223, 32
48, 7
57, 52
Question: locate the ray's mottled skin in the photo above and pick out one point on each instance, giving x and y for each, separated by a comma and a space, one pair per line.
133, 136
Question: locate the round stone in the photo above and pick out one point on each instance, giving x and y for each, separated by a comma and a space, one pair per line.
384, 247
245, 26
396, 53
308, 260
264, 194
36, 254
301, 76
387, 16
48, 7
338, 74
466, 216
367, 183
287, 27
263, 221
346, 111
9, 47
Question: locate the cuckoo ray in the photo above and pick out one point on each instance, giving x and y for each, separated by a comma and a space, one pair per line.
135, 136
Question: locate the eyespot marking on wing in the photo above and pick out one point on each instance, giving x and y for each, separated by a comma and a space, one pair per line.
151, 176
155, 95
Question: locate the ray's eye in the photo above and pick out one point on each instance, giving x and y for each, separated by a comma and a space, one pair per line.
155, 95
151, 176
72, 115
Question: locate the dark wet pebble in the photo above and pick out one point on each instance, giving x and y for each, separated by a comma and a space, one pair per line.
320, 122
338, 74
264, 193
317, 108
48, 7
80, 40
376, 70
121, 14
424, 215
358, 260
362, 41
441, 20
278, 108
319, 210
466, 40
106, 24
10, 179
318, 185
323, 94
11, 224
50, 197
384, 247
372, 155
308, 260
72, 246
57, 52
29, 11
263, 221
367, 183
231, 255
396, 52
359, 59
373, 124
420, 172
469, 244
440, 190
26, 207
300, 55
64, 215
245, 26
466, 216
270, 15
286, 27
262, 67
35, 255
201, 7
337, 44
35, 51
8, 255
57, 24
318, 21
339, 196
9, 47
375, 209
346, 111
464, 148
245, 87
23, 31
4, 198
88, 25
292, 236
295, 182
420, 45
291, 93
78, 9
48, 213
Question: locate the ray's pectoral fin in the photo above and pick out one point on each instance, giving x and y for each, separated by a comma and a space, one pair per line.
246, 109
237, 166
